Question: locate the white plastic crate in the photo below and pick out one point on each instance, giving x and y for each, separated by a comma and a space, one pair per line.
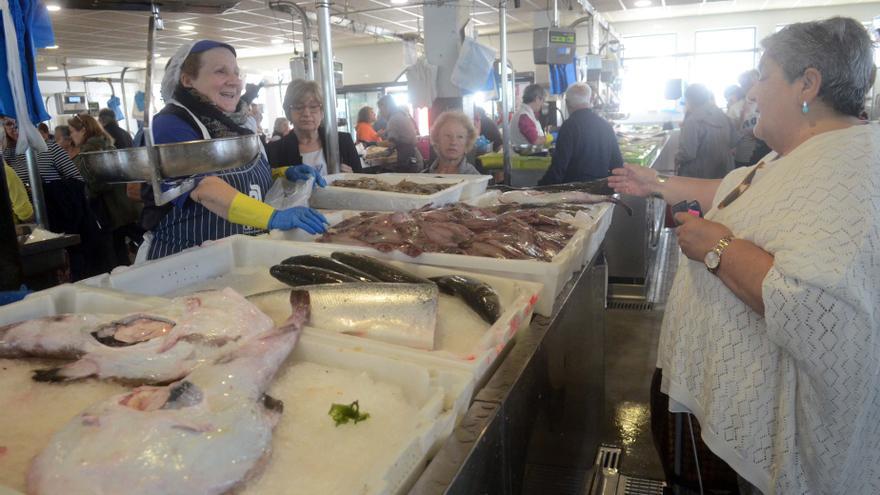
592, 226
243, 262
439, 395
475, 185
347, 198
72, 298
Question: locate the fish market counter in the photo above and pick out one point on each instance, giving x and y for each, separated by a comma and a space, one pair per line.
541, 407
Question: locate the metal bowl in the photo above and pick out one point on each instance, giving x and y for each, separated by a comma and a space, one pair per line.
175, 159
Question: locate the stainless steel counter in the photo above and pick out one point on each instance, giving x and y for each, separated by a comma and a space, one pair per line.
631, 242
541, 407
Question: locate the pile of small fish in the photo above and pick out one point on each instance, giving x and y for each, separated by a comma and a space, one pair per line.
404, 186
498, 232
360, 295
207, 432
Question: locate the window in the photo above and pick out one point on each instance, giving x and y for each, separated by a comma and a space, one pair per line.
649, 61
721, 56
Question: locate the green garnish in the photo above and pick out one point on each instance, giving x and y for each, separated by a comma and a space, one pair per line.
342, 413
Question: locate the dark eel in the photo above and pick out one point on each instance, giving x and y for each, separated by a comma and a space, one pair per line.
330, 264
481, 297
379, 269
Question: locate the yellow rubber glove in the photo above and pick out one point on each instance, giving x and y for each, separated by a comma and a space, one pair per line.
245, 210
279, 172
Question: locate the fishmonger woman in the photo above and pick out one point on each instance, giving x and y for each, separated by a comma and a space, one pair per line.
202, 88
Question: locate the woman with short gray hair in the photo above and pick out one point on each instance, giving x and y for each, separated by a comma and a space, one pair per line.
771, 336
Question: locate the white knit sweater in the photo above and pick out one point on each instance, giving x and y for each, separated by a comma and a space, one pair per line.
791, 400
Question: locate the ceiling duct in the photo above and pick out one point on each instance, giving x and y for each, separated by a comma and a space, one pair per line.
195, 6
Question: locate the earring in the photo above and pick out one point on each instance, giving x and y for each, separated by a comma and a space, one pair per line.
805, 108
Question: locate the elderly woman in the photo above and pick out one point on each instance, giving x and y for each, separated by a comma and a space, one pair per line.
202, 88
303, 104
707, 137
365, 132
770, 336
452, 136
118, 214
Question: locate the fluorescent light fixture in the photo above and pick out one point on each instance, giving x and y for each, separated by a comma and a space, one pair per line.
53, 8
157, 55
277, 41
186, 27
399, 2
53, 47
52, 67
643, 3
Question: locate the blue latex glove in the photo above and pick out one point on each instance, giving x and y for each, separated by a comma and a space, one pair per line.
301, 217
303, 172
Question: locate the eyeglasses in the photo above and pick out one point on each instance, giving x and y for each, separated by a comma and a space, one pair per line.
741, 188
10, 124
309, 108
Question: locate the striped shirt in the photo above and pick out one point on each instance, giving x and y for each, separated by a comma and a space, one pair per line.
53, 164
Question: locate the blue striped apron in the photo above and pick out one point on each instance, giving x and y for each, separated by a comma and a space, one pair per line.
193, 224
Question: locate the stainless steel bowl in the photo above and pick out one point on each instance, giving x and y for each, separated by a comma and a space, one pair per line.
175, 159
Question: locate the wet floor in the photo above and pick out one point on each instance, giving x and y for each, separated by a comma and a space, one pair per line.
630, 358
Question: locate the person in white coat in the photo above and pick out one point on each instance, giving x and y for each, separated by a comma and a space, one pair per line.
525, 128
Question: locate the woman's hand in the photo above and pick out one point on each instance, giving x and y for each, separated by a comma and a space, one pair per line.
634, 180
299, 217
303, 172
697, 236
345, 168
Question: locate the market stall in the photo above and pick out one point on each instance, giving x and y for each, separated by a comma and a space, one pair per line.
417, 398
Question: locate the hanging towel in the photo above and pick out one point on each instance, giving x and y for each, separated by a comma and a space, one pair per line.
25, 27
421, 80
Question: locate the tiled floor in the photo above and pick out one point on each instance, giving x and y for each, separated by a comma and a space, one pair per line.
630, 358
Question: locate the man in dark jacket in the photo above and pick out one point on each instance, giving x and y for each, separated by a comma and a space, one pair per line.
586, 148
121, 138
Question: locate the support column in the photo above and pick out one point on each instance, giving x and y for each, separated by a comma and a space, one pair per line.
331, 139
505, 90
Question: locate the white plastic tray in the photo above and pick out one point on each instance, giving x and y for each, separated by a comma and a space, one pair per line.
70, 298
553, 275
347, 198
475, 185
440, 397
243, 262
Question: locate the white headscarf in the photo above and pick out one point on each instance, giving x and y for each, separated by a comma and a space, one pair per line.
172, 70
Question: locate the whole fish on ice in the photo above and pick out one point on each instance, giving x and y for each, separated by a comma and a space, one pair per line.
206, 434
154, 347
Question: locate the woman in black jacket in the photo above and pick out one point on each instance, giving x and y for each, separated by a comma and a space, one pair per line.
305, 145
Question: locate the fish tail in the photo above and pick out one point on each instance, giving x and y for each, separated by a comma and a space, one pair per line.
83, 368
49, 375
300, 304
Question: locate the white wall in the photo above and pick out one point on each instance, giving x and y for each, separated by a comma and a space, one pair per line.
765, 21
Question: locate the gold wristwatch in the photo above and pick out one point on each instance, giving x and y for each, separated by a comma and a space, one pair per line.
713, 257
